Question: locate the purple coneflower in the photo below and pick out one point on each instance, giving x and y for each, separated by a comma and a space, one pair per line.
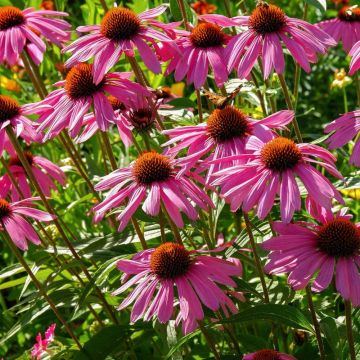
17, 31
269, 27
42, 344
268, 354
156, 271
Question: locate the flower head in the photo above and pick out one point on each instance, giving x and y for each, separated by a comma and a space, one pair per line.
121, 30
271, 169
345, 27
18, 27
268, 354
152, 177
225, 134
42, 344
12, 114
45, 173
345, 128
154, 272
13, 219
204, 45
269, 27
78, 93
303, 249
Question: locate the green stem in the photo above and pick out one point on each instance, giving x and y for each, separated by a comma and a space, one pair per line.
256, 257
259, 94
290, 106
315, 323
346, 106
209, 340
39, 286
357, 84
349, 330
107, 148
172, 225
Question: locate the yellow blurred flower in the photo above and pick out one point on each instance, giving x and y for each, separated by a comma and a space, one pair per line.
341, 80
9, 84
178, 89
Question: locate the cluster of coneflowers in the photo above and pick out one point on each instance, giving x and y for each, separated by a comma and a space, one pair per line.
252, 164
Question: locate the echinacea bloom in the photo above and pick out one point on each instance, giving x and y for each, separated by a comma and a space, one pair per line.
13, 219
272, 169
345, 27
345, 128
355, 61
152, 177
45, 173
78, 93
154, 272
42, 344
12, 114
268, 354
121, 30
269, 27
331, 246
17, 31
224, 134
203, 46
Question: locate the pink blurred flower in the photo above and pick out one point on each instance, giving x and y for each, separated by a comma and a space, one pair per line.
13, 218
121, 30
194, 275
268, 354
345, 27
42, 344
45, 172
271, 169
224, 134
355, 61
268, 27
152, 177
303, 249
11, 113
198, 49
17, 31
345, 128
79, 93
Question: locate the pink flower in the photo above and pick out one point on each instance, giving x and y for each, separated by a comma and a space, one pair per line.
198, 49
13, 218
121, 30
268, 354
194, 275
271, 169
45, 172
224, 134
355, 61
42, 344
11, 113
152, 177
345, 27
17, 31
346, 128
79, 93
303, 249
268, 27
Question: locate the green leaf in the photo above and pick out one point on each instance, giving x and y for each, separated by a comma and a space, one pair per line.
284, 314
182, 103
319, 4
180, 343
176, 13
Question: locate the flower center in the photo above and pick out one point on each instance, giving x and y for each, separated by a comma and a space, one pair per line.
116, 103
5, 209
10, 16
150, 167
266, 354
207, 35
267, 19
280, 154
120, 24
169, 261
339, 238
15, 161
80, 83
228, 123
142, 119
348, 13
9, 108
